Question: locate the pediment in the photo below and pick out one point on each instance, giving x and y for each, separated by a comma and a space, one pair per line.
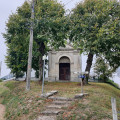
67, 46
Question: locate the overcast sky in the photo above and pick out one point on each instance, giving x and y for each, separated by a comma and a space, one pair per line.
7, 7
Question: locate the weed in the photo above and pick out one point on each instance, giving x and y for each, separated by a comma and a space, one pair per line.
10, 85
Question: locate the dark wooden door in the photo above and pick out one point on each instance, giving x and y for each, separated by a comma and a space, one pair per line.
64, 71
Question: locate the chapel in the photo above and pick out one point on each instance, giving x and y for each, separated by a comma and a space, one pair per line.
63, 64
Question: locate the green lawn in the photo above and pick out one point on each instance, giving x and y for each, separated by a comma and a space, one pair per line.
23, 105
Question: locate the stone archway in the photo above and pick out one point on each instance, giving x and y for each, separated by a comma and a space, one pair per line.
64, 68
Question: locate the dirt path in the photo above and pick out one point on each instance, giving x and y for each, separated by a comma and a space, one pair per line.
2, 112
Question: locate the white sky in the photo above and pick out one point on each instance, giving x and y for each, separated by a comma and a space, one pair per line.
8, 7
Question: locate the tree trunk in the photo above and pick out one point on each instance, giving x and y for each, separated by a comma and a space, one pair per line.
42, 51
88, 67
40, 68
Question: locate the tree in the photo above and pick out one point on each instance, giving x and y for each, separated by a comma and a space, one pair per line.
110, 35
87, 19
49, 29
103, 69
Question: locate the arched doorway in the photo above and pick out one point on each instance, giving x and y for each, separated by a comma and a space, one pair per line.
64, 68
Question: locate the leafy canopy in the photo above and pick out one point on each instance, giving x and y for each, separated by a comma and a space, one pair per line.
87, 18
110, 35
95, 28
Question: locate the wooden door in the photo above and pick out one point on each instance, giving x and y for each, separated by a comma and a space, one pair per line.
64, 71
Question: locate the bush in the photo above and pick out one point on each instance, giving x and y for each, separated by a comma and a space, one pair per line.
113, 84
1, 80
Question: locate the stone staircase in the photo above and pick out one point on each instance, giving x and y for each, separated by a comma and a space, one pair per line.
55, 108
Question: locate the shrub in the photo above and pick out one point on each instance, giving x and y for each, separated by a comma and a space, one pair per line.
113, 84
1, 80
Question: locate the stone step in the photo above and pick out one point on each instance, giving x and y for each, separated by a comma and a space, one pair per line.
54, 106
60, 102
61, 98
51, 112
46, 95
46, 118
81, 95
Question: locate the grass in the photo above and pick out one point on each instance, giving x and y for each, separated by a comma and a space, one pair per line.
20, 104
23, 105
95, 107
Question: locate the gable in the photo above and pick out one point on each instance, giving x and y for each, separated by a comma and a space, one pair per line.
67, 46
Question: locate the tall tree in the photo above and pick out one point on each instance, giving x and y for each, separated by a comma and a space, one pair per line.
49, 30
87, 19
110, 35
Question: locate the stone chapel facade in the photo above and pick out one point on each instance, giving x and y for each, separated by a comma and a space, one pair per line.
63, 64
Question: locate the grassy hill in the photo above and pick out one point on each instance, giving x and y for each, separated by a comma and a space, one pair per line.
23, 105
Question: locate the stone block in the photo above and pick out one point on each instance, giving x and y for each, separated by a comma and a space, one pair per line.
60, 102
79, 96
46, 118
51, 112
49, 94
61, 98
86, 94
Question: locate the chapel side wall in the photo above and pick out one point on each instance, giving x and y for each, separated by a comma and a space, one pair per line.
51, 65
